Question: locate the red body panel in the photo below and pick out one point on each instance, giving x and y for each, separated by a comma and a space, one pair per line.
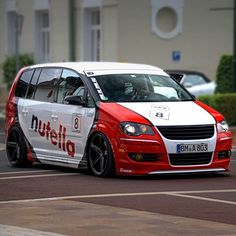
11, 113
110, 116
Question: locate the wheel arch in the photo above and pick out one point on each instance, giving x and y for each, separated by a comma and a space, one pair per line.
31, 157
109, 139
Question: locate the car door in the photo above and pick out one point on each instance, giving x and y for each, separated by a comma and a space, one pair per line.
72, 122
37, 111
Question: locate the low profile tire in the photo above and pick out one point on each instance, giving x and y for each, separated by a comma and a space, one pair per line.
16, 148
100, 156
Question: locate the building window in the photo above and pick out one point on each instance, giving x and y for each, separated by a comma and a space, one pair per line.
92, 34
42, 47
11, 32
95, 32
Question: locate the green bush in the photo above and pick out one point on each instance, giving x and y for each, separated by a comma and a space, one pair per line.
9, 67
224, 75
224, 103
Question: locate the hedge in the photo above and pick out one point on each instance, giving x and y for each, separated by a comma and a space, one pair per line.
224, 103
224, 75
9, 66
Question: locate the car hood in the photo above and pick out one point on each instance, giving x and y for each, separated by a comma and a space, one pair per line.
172, 113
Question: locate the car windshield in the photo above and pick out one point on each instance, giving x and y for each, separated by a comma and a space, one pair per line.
139, 88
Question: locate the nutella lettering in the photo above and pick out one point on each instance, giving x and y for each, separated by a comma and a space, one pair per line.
56, 138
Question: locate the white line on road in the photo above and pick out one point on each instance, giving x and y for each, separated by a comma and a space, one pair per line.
26, 172
122, 195
36, 176
8, 230
203, 198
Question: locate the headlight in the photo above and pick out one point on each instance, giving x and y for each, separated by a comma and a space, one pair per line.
135, 129
222, 126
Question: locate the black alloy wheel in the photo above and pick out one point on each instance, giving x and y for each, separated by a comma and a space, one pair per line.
16, 148
100, 156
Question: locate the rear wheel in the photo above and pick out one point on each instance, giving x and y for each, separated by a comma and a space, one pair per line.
16, 148
100, 156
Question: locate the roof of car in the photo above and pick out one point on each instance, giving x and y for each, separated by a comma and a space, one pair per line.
82, 67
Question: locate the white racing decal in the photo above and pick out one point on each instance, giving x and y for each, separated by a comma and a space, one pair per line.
171, 113
76, 123
56, 138
161, 112
122, 170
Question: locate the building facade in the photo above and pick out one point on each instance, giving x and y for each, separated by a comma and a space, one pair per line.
172, 34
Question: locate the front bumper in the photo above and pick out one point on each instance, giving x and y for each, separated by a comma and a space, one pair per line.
128, 166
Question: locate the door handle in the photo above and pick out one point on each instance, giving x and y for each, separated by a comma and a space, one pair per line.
25, 111
54, 117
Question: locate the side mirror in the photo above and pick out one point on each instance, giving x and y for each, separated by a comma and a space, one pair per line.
74, 100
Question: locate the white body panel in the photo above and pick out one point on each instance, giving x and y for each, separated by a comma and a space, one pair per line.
67, 144
174, 113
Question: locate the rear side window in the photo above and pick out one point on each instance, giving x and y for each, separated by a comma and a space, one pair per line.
23, 83
32, 85
47, 81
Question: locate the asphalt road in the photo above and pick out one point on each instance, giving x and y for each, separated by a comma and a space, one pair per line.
30, 196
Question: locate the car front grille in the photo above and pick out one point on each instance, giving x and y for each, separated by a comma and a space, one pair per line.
190, 159
188, 132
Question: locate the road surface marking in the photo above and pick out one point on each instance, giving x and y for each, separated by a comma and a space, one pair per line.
203, 198
36, 176
26, 172
170, 193
8, 230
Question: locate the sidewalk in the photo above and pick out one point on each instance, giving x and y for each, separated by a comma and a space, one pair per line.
88, 219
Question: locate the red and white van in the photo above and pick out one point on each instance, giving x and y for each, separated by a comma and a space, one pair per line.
128, 119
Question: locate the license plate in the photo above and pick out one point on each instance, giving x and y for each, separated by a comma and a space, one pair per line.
186, 148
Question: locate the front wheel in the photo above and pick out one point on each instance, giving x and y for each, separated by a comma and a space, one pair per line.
100, 156
16, 148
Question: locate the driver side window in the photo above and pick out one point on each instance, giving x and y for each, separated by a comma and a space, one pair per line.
68, 84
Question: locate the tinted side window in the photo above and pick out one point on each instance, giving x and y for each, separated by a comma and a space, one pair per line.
48, 79
23, 83
32, 85
69, 84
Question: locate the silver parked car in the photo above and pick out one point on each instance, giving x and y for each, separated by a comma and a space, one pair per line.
195, 82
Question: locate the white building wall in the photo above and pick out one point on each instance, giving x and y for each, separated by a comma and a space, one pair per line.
59, 30
206, 35
110, 32
26, 39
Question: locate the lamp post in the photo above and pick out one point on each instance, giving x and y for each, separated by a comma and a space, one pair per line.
18, 29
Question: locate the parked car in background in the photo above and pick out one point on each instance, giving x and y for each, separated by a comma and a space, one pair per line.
195, 82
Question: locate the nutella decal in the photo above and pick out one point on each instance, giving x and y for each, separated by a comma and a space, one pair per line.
57, 138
